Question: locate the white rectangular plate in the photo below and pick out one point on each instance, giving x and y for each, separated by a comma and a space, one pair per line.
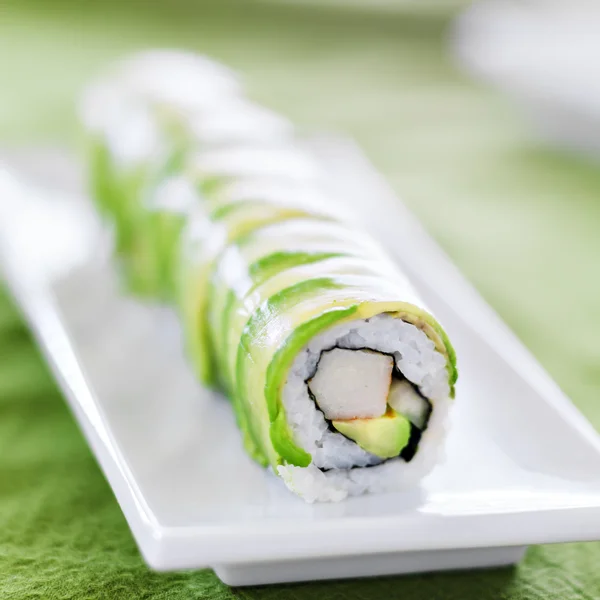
523, 466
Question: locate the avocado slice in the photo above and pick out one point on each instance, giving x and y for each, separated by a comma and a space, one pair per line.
384, 436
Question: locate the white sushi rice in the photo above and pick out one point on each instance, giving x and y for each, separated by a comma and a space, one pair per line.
338, 464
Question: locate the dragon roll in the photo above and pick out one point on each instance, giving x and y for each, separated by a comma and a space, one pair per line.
340, 377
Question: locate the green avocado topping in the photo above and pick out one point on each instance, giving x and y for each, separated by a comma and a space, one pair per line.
384, 436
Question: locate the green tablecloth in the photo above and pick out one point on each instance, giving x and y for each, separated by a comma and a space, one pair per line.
520, 220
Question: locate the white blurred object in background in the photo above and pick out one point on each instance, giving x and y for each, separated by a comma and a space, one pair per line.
545, 55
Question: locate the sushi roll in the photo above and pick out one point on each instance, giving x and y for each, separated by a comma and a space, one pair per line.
340, 377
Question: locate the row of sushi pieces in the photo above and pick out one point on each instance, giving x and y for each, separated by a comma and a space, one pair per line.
340, 378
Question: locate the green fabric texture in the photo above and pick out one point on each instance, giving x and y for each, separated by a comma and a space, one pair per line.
519, 219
